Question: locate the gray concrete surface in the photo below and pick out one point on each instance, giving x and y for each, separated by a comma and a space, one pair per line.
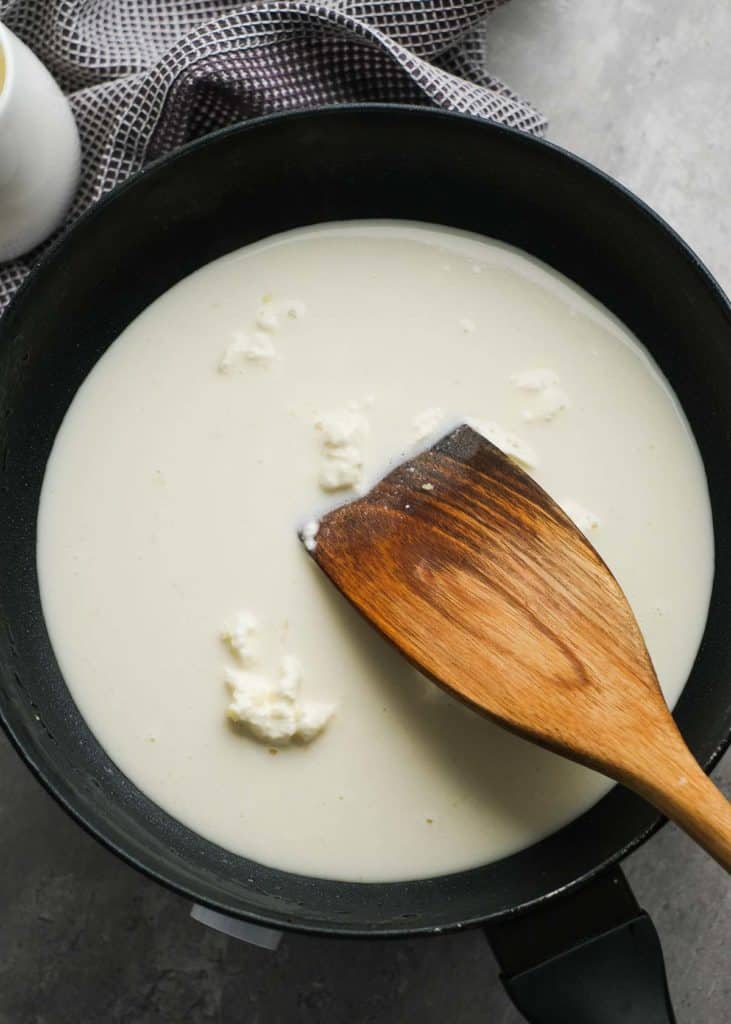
643, 89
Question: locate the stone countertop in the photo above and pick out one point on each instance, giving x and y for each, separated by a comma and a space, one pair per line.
643, 90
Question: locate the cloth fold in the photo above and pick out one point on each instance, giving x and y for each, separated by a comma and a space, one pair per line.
145, 76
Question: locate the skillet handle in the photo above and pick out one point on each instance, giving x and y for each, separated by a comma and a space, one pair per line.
592, 957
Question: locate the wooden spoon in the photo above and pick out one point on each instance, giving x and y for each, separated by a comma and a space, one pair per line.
462, 561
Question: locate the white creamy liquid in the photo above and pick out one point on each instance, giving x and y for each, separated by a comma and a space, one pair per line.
174, 491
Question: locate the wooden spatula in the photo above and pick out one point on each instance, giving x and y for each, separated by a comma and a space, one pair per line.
468, 566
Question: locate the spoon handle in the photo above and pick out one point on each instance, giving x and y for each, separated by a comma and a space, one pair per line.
675, 783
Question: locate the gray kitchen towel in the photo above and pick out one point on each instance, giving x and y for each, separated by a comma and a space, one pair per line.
146, 76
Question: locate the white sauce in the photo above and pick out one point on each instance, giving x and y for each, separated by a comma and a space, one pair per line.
427, 422
173, 496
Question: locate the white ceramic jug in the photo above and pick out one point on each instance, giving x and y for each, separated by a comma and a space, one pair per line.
39, 149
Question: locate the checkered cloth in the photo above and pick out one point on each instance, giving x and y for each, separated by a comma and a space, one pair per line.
145, 76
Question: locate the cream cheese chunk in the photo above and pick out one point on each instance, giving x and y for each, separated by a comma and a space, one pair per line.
241, 634
273, 710
247, 348
309, 534
267, 319
342, 436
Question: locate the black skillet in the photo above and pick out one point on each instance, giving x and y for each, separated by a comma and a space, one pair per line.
570, 938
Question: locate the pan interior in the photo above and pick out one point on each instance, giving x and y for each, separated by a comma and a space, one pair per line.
175, 486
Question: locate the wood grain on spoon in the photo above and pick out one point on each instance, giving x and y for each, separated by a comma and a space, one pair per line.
468, 566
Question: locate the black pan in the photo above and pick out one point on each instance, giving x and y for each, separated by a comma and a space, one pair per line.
238, 186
